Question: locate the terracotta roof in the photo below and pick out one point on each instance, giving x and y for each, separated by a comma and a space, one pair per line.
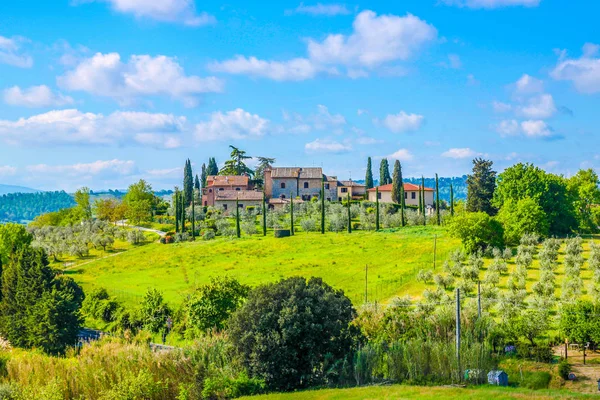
351, 183
284, 201
238, 194
226, 180
296, 172
408, 187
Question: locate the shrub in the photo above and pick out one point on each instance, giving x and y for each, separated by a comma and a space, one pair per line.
249, 227
209, 235
308, 224
536, 380
564, 368
224, 387
476, 230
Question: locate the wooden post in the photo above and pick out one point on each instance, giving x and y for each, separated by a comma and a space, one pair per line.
292, 213
458, 333
434, 250
366, 283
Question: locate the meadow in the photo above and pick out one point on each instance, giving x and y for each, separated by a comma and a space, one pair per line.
393, 258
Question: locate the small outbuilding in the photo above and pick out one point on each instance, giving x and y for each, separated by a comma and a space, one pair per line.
498, 378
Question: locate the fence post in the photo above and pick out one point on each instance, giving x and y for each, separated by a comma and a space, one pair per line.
458, 333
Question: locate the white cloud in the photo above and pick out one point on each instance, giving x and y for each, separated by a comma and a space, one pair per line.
106, 75
297, 69
402, 155
361, 111
536, 129
508, 127
539, 107
179, 11
11, 52
459, 153
321, 120
97, 168
165, 172
7, 170
324, 119
402, 122
366, 140
236, 124
491, 3
527, 84
454, 62
35, 96
500, 107
375, 40
472, 81
320, 9
71, 126
327, 146
584, 72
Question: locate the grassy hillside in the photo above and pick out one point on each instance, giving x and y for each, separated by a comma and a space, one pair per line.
393, 259
420, 392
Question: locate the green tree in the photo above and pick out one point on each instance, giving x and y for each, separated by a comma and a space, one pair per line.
377, 208
238, 232
203, 175
384, 173
322, 207
369, 175
584, 188
212, 304
259, 171
476, 231
82, 198
188, 183
348, 205
286, 331
437, 200
235, 165
292, 214
13, 238
154, 311
397, 183
480, 187
579, 322
213, 169
197, 183
264, 214
548, 190
140, 201
451, 200
521, 217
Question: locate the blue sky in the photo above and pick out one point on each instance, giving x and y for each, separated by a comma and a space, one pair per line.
104, 92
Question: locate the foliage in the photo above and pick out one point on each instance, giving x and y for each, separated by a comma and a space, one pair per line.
480, 186
111, 210
211, 305
235, 165
188, 182
579, 322
384, 172
521, 217
476, 230
259, 171
140, 202
369, 175
19, 207
82, 199
584, 187
154, 311
286, 331
564, 368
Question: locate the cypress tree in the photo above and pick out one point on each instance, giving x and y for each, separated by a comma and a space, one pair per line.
188, 182
203, 175
349, 213
176, 208
377, 208
369, 176
264, 215
292, 213
451, 200
420, 201
193, 220
213, 168
182, 201
384, 173
396, 183
237, 218
424, 205
197, 183
323, 207
437, 200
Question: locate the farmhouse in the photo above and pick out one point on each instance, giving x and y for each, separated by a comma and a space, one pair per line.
357, 191
304, 183
411, 194
222, 191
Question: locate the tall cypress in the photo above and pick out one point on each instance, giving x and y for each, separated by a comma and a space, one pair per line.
213, 168
188, 182
193, 220
420, 201
424, 203
203, 175
323, 207
237, 218
451, 200
369, 176
384, 173
396, 183
292, 213
264, 215
196, 183
349, 213
437, 200
176, 209
377, 208
182, 200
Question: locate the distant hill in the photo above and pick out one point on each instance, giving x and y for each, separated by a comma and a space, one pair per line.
6, 189
24, 207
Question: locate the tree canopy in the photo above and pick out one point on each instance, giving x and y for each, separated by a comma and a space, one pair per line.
480, 187
236, 165
369, 175
384, 173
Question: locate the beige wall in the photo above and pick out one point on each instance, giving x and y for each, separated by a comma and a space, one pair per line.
386, 197
231, 204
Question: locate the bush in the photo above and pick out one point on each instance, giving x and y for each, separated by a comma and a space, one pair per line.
228, 388
536, 380
308, 224
564, 368
476, 230
209, 235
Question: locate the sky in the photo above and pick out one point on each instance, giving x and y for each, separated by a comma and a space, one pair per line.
101, 93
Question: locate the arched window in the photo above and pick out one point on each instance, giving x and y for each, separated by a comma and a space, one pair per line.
305, 185
237, 188
283, 185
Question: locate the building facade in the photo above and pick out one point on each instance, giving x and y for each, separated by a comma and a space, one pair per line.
357, 191
411, 194
304, 183
217, 185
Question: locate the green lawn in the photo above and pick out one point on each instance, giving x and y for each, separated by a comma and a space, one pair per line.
393, 259
421, 392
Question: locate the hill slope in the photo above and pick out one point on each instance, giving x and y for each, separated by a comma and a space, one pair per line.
6, 189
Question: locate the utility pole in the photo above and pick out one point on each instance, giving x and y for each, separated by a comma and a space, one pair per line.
458, 333
366, 283
434, 250
479, 299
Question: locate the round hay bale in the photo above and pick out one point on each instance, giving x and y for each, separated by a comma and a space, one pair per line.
281, 233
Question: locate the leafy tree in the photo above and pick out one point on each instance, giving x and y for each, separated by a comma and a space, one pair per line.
13, 238
140, 202
154, 311
212, 169
579, 322
82, 198
203, 175
584, 188
188, 182
480, 187
369, 175
212, 304
235, 165
38, 308
20, 207
110, 210
548, 190
521, 217
384, 173
476, 231
286, 331
259, 172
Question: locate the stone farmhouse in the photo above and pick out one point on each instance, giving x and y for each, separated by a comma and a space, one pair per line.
411, 194
305, 183
357, 191
223, 191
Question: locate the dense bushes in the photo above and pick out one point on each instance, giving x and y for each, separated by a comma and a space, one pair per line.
476, 230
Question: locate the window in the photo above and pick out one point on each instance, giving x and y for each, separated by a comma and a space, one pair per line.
305, 185
379, 196
237, 188
413, 195
205, 203
240, 205
221, 189
224, 206
282, 196
344, 190
209, 190
327, 186
329, 199
283, 185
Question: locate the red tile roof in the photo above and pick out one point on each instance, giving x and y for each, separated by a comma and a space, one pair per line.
226, 180
408, 187
252, 195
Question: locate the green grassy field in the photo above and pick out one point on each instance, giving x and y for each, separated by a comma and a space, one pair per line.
393, 259
421, 392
